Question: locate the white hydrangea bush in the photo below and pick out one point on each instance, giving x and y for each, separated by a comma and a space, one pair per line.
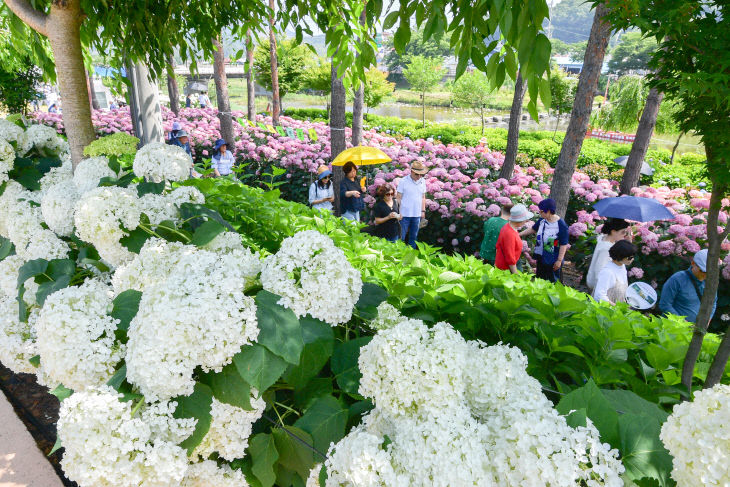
308, 267
157, 162
697, 435
451, 412
106, 445
90, 171
76, 340
57, 208
7, 159
198, 316
208, 474
10, 131
229, 430
17, 338
43, 140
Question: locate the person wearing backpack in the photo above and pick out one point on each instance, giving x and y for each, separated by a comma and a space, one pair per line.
551, 242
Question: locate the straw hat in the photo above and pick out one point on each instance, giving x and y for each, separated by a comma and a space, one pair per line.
418, 168
322, 172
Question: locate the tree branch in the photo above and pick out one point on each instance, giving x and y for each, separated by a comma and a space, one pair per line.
32, 17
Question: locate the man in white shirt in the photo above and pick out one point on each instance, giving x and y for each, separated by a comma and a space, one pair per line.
203, 100
412, 202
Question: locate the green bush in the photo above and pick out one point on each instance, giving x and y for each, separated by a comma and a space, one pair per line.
118, 144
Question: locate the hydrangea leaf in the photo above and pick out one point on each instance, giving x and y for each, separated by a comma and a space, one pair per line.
144, 188
629, 402
263, 455
325, 420
642, 451
598, 409
125, 307
229, 387
318, 345
258, 366
294, 454
372, 295
344, 364
196, 405
207, 232
135, 240
188, 211
62, 392
6, 248
280, 330
317, 387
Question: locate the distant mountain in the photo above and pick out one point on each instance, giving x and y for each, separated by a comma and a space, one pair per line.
571, 20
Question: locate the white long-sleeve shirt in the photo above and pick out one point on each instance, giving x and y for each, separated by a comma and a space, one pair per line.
612, 284
599, 260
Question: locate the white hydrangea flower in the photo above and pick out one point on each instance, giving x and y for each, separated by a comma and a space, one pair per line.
186, 194
159, 162
450, 412
9, 269
151, 266
10, 131
76, 339
697, 435
57, 208
209, 474
225, 242
42, 244
158, 208
313, 479
89, 172
102, 217
313, 277
43, 139
388, 317
387, 362
198, 316
7, 159
230, 428
62, 174
17, 339
105, 446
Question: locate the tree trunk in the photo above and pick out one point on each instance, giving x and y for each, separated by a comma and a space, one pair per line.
481, 114
221, 93
63, 31
250, 88
581, 114
275, 100
632, 173
172, 88
144, 104
714, 240
513, 134
717, 369
337, 131
674, 149
357, 117
423, 109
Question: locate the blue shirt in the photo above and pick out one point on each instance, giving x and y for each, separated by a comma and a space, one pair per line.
679, 296
224, 163
351, 203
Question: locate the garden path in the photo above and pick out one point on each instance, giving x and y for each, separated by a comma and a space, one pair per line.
22, 464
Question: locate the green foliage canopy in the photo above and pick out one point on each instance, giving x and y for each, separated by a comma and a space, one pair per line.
377, 87
423, 73
562, 91
293, 59
627, 99
417, 46
632, 53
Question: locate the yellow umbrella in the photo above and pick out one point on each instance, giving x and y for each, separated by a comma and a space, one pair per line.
361, 156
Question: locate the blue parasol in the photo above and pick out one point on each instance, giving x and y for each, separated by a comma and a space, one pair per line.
633, 208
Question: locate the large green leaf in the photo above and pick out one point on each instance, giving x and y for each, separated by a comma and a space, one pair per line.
144, 188
135, 240
280, 330
629, 402
189, 211
6, 248
317, 387
325, 420
258, 366
598, 409
262, 450
294, 454
124, 308
344, 364
229, 387
372, 295
642, 451
207, 232
318, 345
196, 405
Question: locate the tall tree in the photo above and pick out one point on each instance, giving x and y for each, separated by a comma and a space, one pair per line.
580, 116
632, 53
513, 132
250, 86
377, 87
292, 60
221, 93
337, 130
275, 100
632, 172
423, 74
562, 93
358, 101
172, 89
473, 90
318, 78
417, 46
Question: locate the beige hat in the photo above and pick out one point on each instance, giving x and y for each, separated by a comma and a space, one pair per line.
418, 168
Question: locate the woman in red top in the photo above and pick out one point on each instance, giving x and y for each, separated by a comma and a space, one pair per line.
509, 243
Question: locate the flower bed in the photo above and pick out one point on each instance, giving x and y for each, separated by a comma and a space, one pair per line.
202, 356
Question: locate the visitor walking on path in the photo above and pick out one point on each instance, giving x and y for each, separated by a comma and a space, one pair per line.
321, 192
682, 293
552, 241
492, 227
223, 160
613, 281
613, 230
386, 214
509, 243
412, 202
351, 193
